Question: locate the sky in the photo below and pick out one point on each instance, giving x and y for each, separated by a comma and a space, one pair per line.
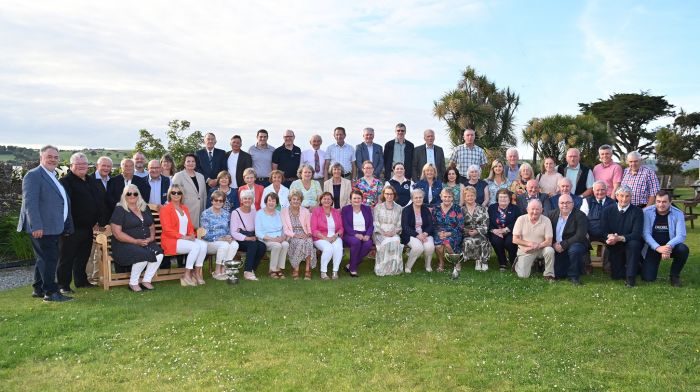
92, 73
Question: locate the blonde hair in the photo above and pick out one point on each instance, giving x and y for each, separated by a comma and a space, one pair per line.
427, 166
249, 171
140, 204
295, 193
179, 188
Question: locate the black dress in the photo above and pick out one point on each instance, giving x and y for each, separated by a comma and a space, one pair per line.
128, 254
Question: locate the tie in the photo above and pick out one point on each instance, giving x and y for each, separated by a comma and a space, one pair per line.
317, 162
211, 158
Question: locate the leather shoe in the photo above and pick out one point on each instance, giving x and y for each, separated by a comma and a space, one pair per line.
630, 282
87, 285
37, 294
675, 281
575, 281
146, 286
56, 297
67, 291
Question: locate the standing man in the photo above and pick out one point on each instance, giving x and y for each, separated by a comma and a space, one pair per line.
210, 160
468, 154
315, 157
45, 215
570, 229
340, 152
237, 161
103, 170
641, 180
607, 170
140, 165
287, 158
428, 153
664, 224
533, 235
261, 154
398, 150
512, 167
159, 184
581, 176
368, 151
622, 223
116, 184
87, 211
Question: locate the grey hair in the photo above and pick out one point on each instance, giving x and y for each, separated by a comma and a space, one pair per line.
368, 129
305, 166
564, 179
125, 160
534, 201
512, 149
427, 131
473, 168
601, 182
295, 193
417, 191
48, 147
76, 156
105, 158
634, 154
333, 166
605, 147
247, 194
623, 189
316, 136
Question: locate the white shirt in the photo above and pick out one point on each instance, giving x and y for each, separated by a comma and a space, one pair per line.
232, 167
309, 157
183, 222
358, 221
60, 189
430, 155
331, 225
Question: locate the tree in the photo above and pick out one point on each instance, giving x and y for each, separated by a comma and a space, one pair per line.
149, 145
677, 143
178, 144
553, 135
628, 115
478, 104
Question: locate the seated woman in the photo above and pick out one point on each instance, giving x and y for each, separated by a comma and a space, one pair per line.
250, 185
178, 236
449, 223
216, 221
134, 238
223, 184
369, 186
476, 224
243, 231
517, 187
417, 231
296, 221
276, 178
482, 187
327, 231
401, 184
387, 227
358, 226
431, 186
451, 182
268, 228
309, 188
502, 217
338, 186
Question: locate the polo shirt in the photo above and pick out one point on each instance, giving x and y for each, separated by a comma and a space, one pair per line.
536, 232
287, 160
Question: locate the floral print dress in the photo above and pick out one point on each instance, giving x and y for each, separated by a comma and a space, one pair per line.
300, 249
478, 247
451, 221
370, 191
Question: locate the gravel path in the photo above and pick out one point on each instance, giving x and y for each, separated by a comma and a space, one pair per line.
16, 277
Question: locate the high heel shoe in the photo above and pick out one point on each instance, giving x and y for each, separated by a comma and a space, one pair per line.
199, 280
185, 281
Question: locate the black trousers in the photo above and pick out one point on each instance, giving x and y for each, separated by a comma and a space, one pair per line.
501, 245
624, 259
47, 253
255, 250
75, 252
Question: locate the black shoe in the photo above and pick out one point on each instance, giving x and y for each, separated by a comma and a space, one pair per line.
676, 281
86, 286
67, 291
57, 297
38, 294
575, 281
630, 282
347, 268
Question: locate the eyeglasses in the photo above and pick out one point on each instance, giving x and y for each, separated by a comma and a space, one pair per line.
132, 193
218, 200
388, 194
400, 130
176, 193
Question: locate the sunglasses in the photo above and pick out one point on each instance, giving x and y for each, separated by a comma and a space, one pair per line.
176, 193
132, 193
218, 200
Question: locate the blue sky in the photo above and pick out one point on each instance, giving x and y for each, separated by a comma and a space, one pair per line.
85, 73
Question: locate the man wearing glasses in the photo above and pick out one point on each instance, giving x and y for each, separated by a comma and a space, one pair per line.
570, 227
287, 158
398, 150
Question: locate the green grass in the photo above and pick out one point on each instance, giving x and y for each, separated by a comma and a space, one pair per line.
485, 331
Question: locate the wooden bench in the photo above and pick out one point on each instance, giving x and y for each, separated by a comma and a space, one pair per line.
598, 254
108, 278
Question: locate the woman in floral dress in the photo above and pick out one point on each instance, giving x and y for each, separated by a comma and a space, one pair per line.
448, 221
476, 225
296, 221
370, 186
387, 226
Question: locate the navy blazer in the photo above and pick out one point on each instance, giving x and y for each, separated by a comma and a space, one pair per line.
408, 223
420, 158
115, 187
389, 158
362, 154
554, 201
210, 168
512, 214
522, 200
244, 161
575, 229
42, 205
437, 188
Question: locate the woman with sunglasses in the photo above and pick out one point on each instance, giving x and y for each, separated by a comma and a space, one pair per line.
215, 220
133, 242
387, 226
179, 236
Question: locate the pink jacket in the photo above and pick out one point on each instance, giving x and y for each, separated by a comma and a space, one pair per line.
304, 217
319, 226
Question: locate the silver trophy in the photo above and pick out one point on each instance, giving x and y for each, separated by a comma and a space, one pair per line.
231, 270
456, 260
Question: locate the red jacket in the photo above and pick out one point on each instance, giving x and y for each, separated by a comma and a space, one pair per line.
171, 227
258, 189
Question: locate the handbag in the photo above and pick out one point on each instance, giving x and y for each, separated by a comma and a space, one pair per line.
245, 232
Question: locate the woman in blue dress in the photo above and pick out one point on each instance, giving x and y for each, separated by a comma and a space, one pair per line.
448, 224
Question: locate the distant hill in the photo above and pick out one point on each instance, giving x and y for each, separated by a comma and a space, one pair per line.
17, 155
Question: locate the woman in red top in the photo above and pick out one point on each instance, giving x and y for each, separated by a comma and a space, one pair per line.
249, 179
179, 237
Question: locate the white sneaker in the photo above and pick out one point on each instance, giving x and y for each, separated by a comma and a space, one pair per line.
335, 275
407, 270
477, 266
484, 266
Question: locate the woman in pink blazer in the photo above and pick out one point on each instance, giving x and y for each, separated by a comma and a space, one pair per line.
327, 231
296, 223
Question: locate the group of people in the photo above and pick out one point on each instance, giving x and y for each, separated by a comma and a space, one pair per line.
373, 199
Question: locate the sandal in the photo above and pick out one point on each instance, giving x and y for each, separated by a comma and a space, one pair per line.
274, 275
295, 274
324, 276
307, 275
280, 275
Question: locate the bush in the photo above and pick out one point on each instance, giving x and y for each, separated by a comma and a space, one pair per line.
14, 245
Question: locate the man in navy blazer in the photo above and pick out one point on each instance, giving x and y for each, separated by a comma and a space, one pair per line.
362, 153
116, 184
398, 150
210, 160
159, 185
428, 153
623, 224
45, 215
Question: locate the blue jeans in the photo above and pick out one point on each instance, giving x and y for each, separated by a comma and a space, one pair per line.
650, 265
569, 262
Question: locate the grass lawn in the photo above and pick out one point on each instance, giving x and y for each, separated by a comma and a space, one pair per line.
485, 331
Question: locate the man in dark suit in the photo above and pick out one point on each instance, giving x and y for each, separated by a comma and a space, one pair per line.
159, 185
398, 150
116, 185
45, 215
565, 189
369, 151
533, 192
570, 228
593, 207
237, 160
210, 160
429, 153
103, 170
622, 224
